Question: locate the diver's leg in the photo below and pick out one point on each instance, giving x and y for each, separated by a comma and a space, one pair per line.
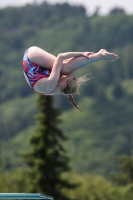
41, 57
80, 62
46, 60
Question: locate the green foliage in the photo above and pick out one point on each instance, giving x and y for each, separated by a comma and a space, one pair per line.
89, 187
94, 145
117, 11
125, 177
10, 151
17, 109
93, 187
102, 137
13, 181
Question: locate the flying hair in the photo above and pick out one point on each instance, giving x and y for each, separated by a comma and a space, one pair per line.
72, 88
71, 100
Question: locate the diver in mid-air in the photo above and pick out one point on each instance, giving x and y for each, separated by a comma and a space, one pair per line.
50, 75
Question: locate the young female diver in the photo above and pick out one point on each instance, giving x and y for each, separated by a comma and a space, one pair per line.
50, 75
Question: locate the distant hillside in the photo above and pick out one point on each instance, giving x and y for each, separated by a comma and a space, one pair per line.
106, 100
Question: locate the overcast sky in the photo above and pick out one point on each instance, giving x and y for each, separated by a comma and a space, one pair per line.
90, 5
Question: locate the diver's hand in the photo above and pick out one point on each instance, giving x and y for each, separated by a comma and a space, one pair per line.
87, 54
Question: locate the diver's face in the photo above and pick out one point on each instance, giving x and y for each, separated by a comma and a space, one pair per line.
63, 80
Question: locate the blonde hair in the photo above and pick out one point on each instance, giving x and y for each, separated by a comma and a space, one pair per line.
72, 87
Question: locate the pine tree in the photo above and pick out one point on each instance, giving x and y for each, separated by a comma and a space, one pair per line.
47, 160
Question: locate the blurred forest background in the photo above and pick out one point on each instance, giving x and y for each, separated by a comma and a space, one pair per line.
105, 133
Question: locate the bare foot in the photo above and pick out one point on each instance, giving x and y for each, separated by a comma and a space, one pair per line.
107, 55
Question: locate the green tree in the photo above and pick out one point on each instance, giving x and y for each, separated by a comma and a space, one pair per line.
116, 10
47, 159
13, 181
125, 176
94, 187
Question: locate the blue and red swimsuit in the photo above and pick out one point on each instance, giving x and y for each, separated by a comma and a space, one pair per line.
32, 71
